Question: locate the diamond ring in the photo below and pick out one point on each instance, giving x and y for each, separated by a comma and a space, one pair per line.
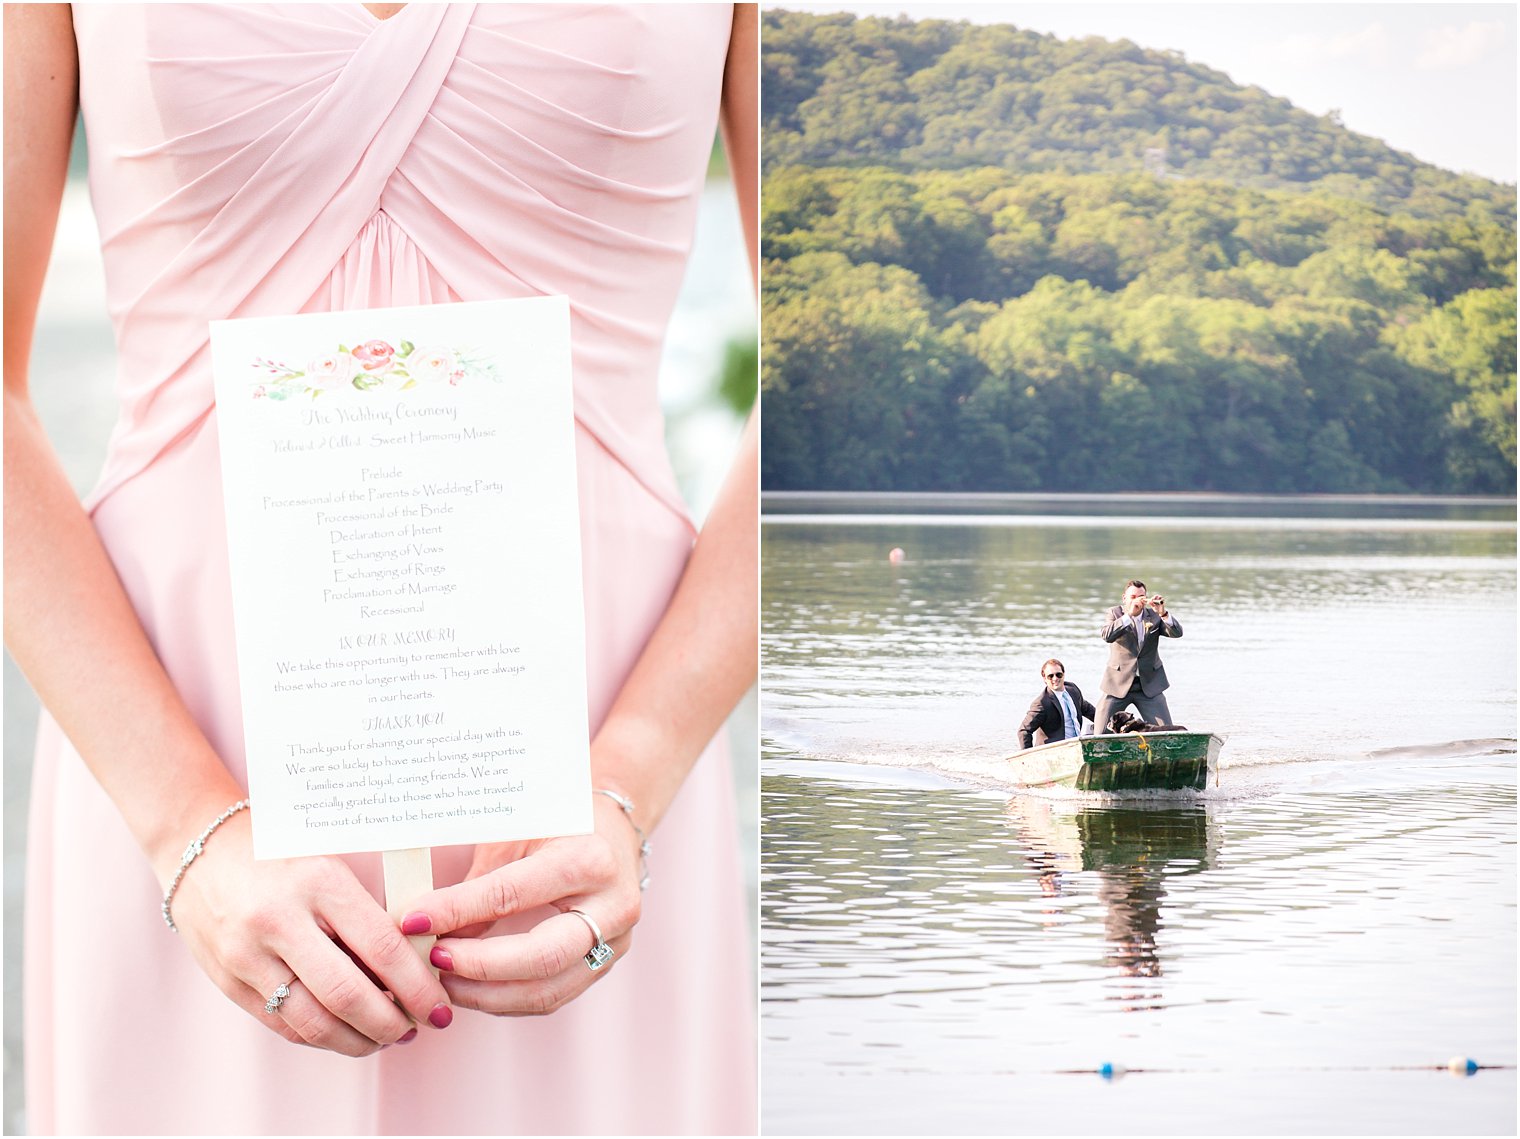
600, 953
277, 998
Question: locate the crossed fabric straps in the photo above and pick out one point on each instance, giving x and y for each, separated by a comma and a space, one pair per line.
253, 153
270, 245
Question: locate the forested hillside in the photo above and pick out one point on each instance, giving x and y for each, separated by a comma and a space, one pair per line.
950, 304
938, 95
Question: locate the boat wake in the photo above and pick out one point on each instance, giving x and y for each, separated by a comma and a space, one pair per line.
1249, 769
1456, 749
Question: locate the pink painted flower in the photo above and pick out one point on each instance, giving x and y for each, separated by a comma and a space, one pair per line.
330, 371
375, 356
431, 364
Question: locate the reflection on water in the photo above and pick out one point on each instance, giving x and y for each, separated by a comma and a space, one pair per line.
1132, 850
938, 946
887, 873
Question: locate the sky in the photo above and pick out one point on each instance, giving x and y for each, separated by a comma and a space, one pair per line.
1435, 80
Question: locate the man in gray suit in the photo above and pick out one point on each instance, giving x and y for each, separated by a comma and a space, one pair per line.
1135, 674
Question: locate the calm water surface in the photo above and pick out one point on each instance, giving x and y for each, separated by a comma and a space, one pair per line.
1293, 951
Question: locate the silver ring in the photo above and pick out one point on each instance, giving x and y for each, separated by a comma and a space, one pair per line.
277, 998
600, 953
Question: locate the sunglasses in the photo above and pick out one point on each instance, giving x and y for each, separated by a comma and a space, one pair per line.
1054, 675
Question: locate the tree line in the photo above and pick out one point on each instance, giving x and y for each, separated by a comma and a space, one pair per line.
975, 280
972, 330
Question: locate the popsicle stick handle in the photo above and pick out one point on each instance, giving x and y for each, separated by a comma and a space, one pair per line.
408, 876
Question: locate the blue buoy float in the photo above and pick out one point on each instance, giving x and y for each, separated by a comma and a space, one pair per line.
1461, 1066
1111, 1071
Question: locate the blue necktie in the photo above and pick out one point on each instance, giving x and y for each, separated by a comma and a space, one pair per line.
1066, 711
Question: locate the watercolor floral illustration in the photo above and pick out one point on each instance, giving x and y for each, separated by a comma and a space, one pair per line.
374, 366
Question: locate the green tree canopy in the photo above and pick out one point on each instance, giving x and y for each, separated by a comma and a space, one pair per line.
996, 260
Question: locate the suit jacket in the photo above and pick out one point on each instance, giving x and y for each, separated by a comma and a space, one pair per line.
1045, 714
1125, 663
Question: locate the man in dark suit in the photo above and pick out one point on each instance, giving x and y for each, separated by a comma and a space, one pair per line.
1058, 711
1135, 674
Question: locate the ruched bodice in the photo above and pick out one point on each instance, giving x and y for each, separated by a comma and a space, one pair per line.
274, 158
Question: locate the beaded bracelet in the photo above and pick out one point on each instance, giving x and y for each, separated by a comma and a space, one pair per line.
644, 848
196, 848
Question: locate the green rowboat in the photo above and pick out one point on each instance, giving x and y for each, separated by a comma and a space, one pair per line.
1134, 761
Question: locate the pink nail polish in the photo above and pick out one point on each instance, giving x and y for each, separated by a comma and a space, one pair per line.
441, 1017
442, 958
416, 923
411, 1034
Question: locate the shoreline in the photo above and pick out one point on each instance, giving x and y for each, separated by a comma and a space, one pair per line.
1490, 508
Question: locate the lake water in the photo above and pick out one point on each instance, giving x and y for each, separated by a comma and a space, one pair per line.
1298, 950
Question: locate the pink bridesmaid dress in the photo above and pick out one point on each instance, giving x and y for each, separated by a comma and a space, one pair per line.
279, 158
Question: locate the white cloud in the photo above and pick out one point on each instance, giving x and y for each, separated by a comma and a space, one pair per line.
1370, 44
1451, 47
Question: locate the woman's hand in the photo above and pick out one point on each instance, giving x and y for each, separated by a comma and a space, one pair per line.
539, 971
253, 926
696, 665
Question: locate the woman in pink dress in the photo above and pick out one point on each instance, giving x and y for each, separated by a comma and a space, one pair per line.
278, 158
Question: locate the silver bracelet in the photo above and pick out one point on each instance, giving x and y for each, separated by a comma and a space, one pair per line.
196, 848
644, 848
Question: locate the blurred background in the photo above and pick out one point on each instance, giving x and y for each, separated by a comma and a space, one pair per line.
707, 386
